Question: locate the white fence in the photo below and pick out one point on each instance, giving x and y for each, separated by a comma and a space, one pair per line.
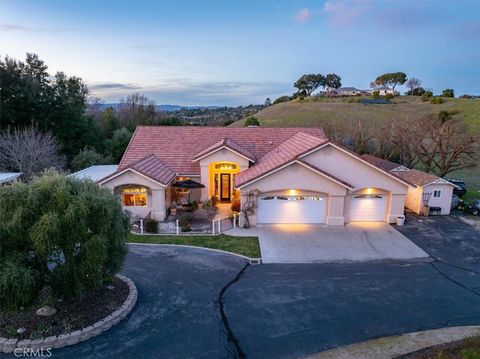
215, 226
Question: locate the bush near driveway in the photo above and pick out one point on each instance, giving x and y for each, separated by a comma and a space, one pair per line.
59, 231
247, 246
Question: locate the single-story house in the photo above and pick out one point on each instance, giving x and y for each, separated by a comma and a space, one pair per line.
9, 177
348, 91
287, 175
425, 189
95, 173
382, 91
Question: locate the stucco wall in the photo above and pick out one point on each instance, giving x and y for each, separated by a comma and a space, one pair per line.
155, 195
445, 201
298, 180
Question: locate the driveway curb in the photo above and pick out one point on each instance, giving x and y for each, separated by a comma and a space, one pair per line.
393, 346
250, 260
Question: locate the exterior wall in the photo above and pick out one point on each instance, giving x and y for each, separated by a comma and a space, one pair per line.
362, 177
155, 195
223, 155
414, 201
445, 201
286, 182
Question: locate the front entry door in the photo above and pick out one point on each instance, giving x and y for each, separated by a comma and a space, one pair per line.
225, 187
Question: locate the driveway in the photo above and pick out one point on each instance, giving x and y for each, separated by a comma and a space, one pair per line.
287, 310
355, 242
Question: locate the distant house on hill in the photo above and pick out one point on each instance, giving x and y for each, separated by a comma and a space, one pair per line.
382, 91
345, 91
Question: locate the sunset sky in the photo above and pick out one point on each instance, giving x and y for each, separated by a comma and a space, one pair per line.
240, 52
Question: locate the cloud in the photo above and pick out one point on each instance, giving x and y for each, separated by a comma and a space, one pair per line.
303, 15
344, 12
112, 86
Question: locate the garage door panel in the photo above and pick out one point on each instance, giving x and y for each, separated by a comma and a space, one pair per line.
368, 208
297, 209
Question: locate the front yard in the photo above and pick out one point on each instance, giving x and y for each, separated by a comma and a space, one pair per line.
247, 246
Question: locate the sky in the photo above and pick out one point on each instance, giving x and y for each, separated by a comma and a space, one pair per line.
192, 52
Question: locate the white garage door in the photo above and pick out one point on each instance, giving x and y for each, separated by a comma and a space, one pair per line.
291, 209
368, 208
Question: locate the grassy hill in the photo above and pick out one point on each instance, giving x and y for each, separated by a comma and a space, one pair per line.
321, 112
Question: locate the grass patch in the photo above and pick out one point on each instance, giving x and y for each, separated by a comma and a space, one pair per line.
247, 246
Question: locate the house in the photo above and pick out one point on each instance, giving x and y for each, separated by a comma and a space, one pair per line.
290, 175
382, 91
424, 189
9, 177
347, 91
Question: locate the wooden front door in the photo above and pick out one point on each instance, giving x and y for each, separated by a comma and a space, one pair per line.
225, 187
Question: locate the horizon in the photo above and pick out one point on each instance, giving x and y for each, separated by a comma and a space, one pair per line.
231, 54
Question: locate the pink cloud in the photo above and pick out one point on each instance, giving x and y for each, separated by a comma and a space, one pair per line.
303, 15
344, 12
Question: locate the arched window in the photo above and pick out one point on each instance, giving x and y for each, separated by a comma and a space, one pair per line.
134, 196
225, 166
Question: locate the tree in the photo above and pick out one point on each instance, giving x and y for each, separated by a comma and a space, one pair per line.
252, 121
309, 83
118, 143
413, 83
86, 158
448, 93
136, 109
391, 79
62, 231
333, 81
268, 102
29, 151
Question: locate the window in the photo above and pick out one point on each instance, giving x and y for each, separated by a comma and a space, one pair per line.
225, 166
134, 196
437, 193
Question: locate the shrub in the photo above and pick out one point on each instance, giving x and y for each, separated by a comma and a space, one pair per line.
150, 225
436, 100
426, 96
376, 94
75, 227
194, 205
389, 96
448, 93
235, 205
18, 283
214, 201
252, 121
86, 158
185, 220
282, 99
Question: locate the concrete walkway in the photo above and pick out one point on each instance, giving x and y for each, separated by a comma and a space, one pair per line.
355, 242
391, 347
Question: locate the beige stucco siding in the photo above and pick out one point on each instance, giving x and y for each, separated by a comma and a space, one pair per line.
445, 200
155, 195
297, 180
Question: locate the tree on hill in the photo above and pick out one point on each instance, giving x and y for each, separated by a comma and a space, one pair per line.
333, 81
391, 79
136, 109
252, 121
307, 84
268, 102
413, 83
448, 93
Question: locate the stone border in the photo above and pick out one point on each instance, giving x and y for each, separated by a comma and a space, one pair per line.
9, 345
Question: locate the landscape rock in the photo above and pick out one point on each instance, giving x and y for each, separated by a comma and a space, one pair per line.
46, 311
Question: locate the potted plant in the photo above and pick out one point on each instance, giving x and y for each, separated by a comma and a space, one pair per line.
200, 205
173, 208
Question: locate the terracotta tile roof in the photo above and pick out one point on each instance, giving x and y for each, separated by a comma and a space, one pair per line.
380, 162
412, 176
229, 143
151, 167
418, 178
176, 146
284, 153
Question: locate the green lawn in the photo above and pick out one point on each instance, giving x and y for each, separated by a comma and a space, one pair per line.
247, 246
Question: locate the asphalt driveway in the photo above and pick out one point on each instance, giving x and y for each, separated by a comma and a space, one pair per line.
355, 242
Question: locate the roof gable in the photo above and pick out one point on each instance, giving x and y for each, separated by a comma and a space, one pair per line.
228, 144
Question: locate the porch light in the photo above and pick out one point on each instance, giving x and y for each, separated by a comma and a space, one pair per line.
369, 190
292, 192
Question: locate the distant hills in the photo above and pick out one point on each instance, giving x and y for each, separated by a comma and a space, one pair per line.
165, 107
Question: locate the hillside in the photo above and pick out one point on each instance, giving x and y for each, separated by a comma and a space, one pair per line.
318, 111
321, 112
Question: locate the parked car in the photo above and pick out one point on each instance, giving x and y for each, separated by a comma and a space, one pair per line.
460, 189
472, 207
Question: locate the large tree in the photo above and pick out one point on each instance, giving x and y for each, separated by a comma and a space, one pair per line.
136, 109
413, 83
391, 79
307, 84
333, 81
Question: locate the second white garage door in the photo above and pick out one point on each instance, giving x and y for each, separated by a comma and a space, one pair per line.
368, 208
291, 209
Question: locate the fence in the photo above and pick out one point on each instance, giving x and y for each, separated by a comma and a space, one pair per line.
215, 226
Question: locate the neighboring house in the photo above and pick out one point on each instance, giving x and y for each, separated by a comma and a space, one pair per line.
424, 189
95, 173
9, 177
382, 91
291, 175
348, 91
